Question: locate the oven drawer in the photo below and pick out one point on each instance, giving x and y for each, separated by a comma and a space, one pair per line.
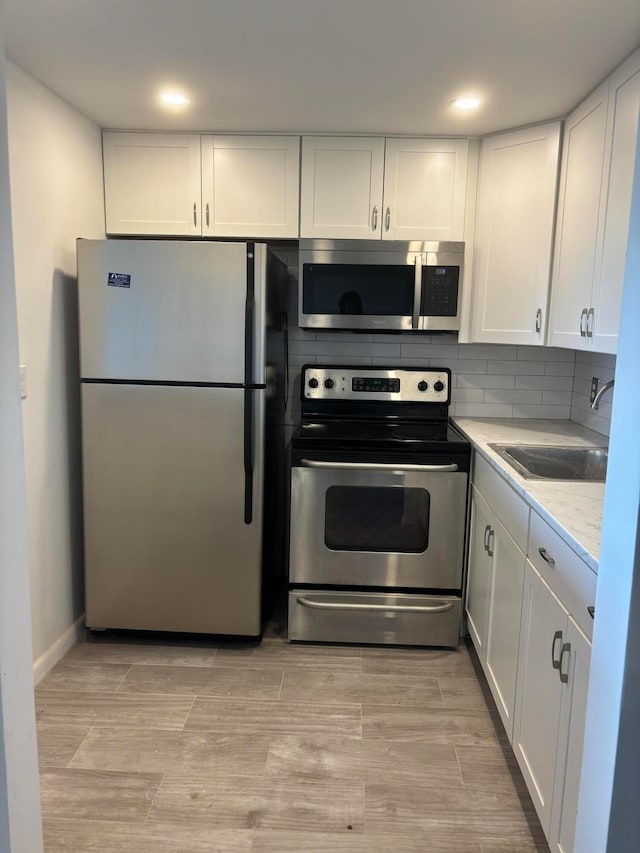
374, 617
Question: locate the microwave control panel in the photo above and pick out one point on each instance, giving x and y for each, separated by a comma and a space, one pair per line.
421, 385
440, 291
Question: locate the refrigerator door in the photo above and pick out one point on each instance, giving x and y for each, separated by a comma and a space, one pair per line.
167, 547
172, 311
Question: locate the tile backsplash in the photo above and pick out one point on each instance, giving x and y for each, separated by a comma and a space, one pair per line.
488, 380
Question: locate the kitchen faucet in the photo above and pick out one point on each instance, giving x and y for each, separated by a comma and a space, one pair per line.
596, 400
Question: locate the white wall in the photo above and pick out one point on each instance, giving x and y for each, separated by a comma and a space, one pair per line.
20, 827
56, 187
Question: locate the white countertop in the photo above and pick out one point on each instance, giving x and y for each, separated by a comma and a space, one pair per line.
573, 509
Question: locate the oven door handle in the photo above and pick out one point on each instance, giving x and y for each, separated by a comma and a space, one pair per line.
367, 466
388, 608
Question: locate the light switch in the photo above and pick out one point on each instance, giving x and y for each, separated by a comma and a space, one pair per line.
23, 381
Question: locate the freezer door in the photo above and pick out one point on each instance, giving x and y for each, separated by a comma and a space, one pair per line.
161, 310
167, 547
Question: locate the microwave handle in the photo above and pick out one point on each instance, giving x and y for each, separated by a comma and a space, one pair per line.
417, 292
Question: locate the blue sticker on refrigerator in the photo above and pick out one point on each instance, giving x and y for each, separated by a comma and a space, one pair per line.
118, 279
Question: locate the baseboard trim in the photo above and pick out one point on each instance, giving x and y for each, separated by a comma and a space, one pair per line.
57, 650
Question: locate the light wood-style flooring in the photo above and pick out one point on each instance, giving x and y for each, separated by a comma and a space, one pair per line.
161, 746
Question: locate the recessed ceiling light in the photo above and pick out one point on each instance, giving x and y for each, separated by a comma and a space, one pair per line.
466, 103
176, 99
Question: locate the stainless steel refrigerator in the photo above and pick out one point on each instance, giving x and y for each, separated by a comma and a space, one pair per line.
182, 355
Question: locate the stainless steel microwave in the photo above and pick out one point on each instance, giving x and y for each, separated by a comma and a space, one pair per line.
380, 285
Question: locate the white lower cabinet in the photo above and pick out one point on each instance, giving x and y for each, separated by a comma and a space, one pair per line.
553, 670
494, 595
528, 617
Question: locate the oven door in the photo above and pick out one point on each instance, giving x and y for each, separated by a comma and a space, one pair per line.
377, 525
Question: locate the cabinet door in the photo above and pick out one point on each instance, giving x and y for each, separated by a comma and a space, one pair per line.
341, 193
152, 183
425, 182
504, 622
250, 186
624, 112
514, 231
535, 735
579, 223
571, 740
479, 575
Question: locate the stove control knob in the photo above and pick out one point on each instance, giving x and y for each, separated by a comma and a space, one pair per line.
438, 386
422, 385
329, 383
313, 382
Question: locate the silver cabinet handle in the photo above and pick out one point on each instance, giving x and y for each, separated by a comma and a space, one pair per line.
546, 557
388, 608
195, 217
583, 326
486, 536
417, 292
387, 219
365, 466
207, 212
539, 320
590, 316
564, 676
374, 218
490, 540
555, 662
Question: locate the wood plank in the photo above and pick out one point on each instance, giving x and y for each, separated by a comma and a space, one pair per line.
84, 836
256, 717
323, 757
468, 812
200, 681
241, 802
284, 655
93, 794
418, 662
432, 725
154, 751
464, 693
93, 709
490, 768
58, 744
84, 675
153, 652
327, 687
333, 842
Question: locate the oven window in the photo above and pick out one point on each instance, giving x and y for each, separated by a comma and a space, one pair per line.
377, 518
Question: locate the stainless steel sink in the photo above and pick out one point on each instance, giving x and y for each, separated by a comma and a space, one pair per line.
544, 462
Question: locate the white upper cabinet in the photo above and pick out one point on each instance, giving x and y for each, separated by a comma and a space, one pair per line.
425, 183
624, 114
341, 195
514, 233
250, 186
152, 183
394, 189
593, 213
180, 184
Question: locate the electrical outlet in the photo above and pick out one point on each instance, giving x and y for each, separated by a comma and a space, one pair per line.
23, 381
594, 388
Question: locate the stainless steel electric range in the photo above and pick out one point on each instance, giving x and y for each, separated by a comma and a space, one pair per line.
378, 500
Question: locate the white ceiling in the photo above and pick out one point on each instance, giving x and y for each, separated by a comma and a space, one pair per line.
362, 66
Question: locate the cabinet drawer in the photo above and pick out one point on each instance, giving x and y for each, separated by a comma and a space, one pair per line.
507, 504
569, 577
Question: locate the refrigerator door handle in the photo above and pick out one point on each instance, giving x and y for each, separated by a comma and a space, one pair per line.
248, 455
249, 321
